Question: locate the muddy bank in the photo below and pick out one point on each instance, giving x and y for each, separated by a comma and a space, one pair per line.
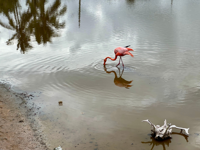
20, 128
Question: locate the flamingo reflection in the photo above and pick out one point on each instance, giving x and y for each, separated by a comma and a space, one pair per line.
119, 81
154, 142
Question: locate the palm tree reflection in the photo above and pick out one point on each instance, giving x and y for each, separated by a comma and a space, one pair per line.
19, 24
45, 20
37, 20
119, 81
79, 14
154, 142
130, 1
8, 7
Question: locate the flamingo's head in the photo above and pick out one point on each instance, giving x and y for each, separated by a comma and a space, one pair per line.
105, 61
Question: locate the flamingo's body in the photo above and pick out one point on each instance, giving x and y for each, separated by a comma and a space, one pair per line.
120, 51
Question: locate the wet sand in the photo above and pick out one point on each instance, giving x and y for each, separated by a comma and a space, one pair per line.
19, 128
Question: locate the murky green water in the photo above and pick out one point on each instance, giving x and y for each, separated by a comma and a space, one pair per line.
61, 46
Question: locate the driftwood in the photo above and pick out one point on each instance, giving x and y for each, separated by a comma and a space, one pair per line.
163, 143
165, 131
58, 148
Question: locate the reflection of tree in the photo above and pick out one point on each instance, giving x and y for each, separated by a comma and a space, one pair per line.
6, 7
154, 142
20, 24
45, 21
79, 14
119, 81
130, 1
36, 20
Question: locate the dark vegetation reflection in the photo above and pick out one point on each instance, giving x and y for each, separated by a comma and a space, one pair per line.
166, 142
119, 81
79, 14
37, 21
130, 1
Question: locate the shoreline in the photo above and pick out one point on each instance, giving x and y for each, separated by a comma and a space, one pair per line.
20, 127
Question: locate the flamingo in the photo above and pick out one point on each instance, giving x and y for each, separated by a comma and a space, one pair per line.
120, 51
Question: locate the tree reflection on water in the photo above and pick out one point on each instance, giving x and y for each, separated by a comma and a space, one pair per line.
37, 20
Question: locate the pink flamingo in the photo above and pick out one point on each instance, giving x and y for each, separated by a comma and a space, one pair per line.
120, 51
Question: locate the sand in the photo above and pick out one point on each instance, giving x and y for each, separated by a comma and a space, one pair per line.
19, 126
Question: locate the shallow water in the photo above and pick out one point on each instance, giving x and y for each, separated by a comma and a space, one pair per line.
103, 106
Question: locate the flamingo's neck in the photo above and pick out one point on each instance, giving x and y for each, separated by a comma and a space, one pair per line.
110, 58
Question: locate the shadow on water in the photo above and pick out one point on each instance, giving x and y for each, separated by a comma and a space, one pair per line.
37, 20
119, 81
164, 143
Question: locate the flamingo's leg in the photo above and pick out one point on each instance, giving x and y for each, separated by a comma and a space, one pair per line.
118, 70
122, 71
119, 62
122, 61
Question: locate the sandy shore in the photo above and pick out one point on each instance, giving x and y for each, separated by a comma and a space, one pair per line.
19, 127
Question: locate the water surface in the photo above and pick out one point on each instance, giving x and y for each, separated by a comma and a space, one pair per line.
58, 47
